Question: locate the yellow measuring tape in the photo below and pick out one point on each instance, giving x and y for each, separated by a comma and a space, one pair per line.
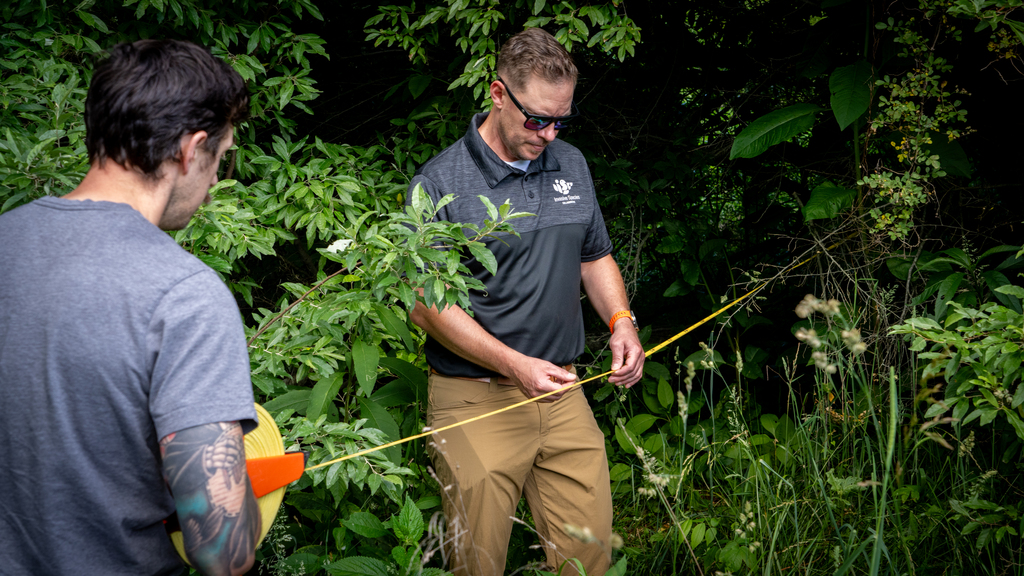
564, 388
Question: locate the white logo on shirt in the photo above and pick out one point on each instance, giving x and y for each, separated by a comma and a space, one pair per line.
563, 187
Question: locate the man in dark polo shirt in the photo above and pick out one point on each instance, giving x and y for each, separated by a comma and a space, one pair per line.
527, 328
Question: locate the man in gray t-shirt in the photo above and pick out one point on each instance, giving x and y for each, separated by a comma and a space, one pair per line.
124, 374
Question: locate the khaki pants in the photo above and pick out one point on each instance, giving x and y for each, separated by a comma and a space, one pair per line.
551, 452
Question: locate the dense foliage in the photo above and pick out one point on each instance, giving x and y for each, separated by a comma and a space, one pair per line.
873, 141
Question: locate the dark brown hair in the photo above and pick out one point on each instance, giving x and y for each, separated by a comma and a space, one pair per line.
535, 52
146, 95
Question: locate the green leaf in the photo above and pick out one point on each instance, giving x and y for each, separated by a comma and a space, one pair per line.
665, 393
1015, 421
358, 566
827, 201
538, 5
619, 472
395, 326
851, 92
365, 524
947, 289
484, 256
952, 156
323, 393
408, 524
296, 400
1015, 291
624, 437
619, 569
364, 362
418, 83
773, 128
641, 423
415, 378
377, 417
995, 280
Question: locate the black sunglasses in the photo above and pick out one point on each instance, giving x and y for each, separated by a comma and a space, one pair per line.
535, 122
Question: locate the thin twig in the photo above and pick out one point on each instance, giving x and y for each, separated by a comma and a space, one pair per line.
292, 305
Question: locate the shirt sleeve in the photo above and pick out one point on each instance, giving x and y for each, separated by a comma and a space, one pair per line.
597, 243
200, 360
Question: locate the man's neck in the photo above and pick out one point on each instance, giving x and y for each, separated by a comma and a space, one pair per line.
489, 132
111, 182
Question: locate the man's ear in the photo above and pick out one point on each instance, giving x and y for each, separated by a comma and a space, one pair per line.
498, 94
190, 146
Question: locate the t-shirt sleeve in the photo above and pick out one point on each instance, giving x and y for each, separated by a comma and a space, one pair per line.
597, 243
200, 367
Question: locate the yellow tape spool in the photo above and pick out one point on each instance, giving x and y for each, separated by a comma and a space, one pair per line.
264, 441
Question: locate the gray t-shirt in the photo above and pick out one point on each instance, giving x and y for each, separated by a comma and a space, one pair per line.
111, 337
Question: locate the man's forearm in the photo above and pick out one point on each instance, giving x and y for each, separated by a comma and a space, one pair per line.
460, 333
603, 284
220, 520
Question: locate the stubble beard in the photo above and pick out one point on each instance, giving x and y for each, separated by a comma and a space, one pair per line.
516, 145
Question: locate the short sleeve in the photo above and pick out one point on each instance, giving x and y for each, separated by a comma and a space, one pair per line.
597, 244
199, 358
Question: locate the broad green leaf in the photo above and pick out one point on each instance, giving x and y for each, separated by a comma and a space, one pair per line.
827, 201
484, 256
492, 212
323, 392
418, 83
773, 128
641, 423
952, 156
377, 417
416, 379
851, 92
947, 289
358, 566
627, 440
364, 362
619, 569
619, 472
665, 393
365, 524
295, 400
408, 524
697, 534
995, 279
1010, 290
395, 393
1015, 421
395, 326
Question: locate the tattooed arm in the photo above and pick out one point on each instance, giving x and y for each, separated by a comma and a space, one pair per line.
220, 521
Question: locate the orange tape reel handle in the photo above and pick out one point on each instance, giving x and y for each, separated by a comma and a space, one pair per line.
272, 472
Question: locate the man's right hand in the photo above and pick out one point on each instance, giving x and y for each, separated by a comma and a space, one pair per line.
534, 377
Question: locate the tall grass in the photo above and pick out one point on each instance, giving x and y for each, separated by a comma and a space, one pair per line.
851, 479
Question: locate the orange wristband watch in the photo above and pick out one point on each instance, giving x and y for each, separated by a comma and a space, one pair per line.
620, 315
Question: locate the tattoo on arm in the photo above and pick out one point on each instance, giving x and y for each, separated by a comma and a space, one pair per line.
220, 521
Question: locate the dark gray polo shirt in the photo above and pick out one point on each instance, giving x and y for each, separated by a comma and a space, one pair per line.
532, 304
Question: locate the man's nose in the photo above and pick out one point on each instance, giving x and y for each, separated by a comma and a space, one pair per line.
548, 133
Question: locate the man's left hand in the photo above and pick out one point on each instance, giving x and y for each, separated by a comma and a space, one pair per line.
627, 356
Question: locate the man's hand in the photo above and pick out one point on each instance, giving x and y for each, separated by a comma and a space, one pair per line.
534, 377
627, 354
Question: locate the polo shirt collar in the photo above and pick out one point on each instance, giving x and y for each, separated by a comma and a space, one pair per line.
493, 168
